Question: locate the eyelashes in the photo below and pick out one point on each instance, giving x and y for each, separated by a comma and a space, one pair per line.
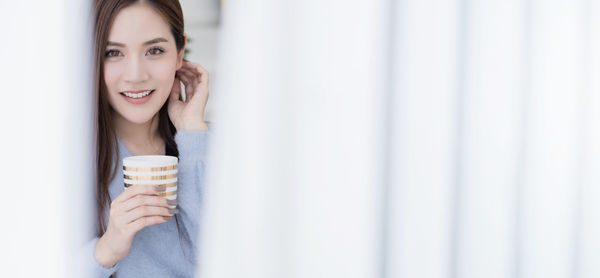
154, 51
112, 53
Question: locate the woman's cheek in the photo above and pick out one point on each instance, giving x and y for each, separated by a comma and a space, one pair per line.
111, 73
164, 73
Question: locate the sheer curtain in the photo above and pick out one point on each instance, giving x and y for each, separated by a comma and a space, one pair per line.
46, 118
409, 138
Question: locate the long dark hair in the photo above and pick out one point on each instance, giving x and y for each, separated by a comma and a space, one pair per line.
106, 139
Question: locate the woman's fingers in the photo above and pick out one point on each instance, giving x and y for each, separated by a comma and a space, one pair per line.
190, 77
143, 222
138, 207
190, 85
186, 80
145, 211
198, 69
137, 190
194, 73
143, 200
189, 70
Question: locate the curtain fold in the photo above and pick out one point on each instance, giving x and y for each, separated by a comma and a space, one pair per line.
430, 138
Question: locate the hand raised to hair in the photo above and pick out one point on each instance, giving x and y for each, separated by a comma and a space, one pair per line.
189, 115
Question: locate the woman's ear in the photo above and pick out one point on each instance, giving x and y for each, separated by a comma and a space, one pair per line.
182, 52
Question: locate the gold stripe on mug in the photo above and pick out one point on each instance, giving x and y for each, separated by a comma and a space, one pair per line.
162, 186
150, 178
165, 194
153, 169
167, 185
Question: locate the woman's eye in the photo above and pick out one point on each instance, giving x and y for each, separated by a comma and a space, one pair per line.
155, 51
113, 53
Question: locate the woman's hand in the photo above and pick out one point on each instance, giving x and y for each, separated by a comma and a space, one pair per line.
137, 207
189, 115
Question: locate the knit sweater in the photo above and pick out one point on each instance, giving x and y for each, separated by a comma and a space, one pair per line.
158, 250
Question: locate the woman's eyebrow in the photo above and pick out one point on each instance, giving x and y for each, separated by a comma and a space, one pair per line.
157, 40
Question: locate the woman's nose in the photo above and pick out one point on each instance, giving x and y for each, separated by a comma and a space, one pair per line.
135, 71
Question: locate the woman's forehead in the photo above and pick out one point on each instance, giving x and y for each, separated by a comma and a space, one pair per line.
138, 24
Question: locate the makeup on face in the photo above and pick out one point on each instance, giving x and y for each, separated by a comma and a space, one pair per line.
140, 64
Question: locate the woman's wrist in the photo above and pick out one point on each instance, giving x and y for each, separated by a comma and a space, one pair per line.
104, 254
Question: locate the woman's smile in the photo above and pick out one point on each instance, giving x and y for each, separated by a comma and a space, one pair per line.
137, 97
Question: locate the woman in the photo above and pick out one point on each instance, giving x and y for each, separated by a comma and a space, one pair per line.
139, 63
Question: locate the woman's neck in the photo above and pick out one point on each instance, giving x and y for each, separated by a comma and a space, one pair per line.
140, 139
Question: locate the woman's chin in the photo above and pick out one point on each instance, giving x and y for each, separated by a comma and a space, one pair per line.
139, 120
138, 117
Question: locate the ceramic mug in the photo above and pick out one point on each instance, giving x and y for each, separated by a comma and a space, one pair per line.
152, 170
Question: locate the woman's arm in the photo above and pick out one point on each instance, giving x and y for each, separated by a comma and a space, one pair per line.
193, 147
192, 143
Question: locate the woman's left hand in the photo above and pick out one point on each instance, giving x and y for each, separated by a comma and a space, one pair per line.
189, 115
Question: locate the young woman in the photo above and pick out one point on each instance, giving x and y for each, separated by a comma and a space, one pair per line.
139, 67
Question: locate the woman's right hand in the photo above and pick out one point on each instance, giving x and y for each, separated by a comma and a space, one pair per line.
139, 206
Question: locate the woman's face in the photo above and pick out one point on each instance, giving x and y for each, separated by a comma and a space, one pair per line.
141, 56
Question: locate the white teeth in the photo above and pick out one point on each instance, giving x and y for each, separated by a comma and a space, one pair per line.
138, 95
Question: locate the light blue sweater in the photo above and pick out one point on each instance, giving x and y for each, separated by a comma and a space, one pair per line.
157, 250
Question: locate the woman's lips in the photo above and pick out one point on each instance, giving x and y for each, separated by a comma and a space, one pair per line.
141, 100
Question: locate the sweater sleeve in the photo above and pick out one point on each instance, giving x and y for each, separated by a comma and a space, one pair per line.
193, 148
88, 255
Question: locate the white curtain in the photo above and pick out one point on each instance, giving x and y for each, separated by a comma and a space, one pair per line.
297, 176
409, 138
46, 118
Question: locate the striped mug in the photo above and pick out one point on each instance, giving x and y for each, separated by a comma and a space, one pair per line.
152, 170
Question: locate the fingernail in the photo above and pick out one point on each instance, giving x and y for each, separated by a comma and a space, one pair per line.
167, 217
159, 188
172, 202
173, 211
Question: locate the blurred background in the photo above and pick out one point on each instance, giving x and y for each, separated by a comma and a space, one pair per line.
202, 23
380, 138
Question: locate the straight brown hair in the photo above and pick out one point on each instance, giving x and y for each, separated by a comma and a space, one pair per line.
107, 154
